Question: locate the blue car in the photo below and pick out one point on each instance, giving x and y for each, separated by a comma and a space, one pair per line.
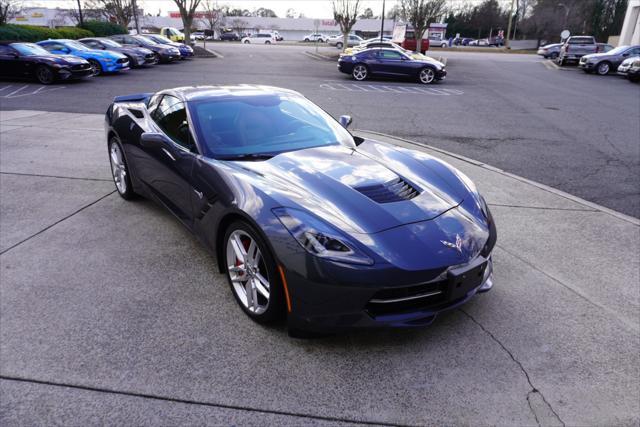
305, 220
185, 51
102, 61
388, 62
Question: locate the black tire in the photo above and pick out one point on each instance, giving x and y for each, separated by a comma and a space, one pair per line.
95, 65
603, 68
553, 56
427, 75
360, 72
339, 45
267, 42
132, 62
276, 305
307, 40
128, 194
44, 75
247, 42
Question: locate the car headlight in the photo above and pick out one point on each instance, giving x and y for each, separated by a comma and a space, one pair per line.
636, 64
319, 238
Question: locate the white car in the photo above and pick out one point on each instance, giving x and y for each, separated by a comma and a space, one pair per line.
316, 38
338, 41
260, 39
438, 42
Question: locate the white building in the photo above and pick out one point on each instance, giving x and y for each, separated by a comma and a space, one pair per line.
630, 34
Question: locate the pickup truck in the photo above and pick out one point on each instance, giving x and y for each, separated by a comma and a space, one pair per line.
575, 47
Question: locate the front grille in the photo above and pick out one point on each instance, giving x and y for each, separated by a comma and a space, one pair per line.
80, 67
122, 60
408, 299
395, 190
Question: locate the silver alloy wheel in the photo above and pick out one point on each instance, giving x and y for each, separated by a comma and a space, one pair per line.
603, 68
427, 75
360, 72
96, 69
118, 168
247, 272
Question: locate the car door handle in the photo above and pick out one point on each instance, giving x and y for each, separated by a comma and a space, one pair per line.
168, 153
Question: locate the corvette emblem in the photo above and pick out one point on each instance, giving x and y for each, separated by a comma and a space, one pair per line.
457, 245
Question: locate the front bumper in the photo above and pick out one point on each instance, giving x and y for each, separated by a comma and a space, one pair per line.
441, 74
586, 65
186, 53
78, 71
115, 66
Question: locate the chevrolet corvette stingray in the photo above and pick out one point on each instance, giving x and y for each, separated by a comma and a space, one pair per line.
306, 220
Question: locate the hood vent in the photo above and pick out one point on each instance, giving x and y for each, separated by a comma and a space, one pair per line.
395, 190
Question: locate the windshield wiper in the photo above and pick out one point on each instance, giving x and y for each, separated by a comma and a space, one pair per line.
250, 157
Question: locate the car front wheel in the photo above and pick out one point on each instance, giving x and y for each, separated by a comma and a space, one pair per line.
247, 42
44, 75
427, 75
339, 45
120, 170
252, 273
96, 68
360, 72
603, 68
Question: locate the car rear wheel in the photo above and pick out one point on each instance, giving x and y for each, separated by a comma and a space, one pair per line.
120, 170
44, 75
339, 45
307, 39
360, 72
247, 42
427, 75
553, 55
252, 273
267, 42
603, 68
96, 68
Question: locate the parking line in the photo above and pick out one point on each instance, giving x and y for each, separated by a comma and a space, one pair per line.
16, 91
40, 90
5, 87
375, 88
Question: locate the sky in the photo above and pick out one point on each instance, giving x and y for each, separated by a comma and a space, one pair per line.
310, 8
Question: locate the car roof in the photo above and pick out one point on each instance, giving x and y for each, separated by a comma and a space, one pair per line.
197, 93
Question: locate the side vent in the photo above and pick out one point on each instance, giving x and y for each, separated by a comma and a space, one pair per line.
395, 190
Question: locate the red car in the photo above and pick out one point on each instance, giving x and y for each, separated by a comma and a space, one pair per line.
405, 37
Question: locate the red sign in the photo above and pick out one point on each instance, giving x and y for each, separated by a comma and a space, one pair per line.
197, 15
328, 23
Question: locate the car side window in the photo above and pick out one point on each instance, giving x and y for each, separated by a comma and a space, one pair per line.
92, 44
389, 54
6, 51
171, 116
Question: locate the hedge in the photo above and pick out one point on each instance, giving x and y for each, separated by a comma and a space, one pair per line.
104, 29
31, 33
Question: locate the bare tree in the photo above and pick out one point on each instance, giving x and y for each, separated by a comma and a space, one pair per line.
420, 14
8, 10
187, 10
213, 17
239, 25
119, 11
345, 12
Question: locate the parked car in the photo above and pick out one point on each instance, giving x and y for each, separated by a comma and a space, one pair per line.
630, 68
316, 37
604, 47
550, 51
575, 47
604, 63
438, 42
391, 63
172, 34
165, 53
229, 36
260, 39
370, 45
185, 51
30, 61
198, 36
305, 220
102, 61
405, 37
277, 35
138, 56
338, 41
462, 41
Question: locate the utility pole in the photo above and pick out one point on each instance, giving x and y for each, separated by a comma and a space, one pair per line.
134, 5
80, 18
382, 25
506, 42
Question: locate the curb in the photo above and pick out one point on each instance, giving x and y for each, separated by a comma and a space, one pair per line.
318, 56
576, 199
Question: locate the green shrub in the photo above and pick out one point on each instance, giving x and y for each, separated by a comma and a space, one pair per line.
104, 29
31, 33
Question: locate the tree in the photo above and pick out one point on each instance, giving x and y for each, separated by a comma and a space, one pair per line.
420, 14
213, 18
118, 11
8, 10
345, 13
239, 25
291, 13
187, 9
395, 12
264, 13
367, 14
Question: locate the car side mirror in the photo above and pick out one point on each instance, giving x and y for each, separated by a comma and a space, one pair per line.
151, 139
345, 121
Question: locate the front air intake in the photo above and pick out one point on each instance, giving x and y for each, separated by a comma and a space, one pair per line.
395, 190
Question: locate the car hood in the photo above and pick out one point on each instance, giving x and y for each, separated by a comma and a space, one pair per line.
98, 53
350, 188
602, 55
60, 59
132, 50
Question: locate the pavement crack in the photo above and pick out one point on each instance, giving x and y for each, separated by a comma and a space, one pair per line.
55, 176
56, 223
348, 421
534, 390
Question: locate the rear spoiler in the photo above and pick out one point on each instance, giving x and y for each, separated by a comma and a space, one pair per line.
136, 97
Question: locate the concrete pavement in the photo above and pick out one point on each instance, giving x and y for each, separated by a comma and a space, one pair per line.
110, 312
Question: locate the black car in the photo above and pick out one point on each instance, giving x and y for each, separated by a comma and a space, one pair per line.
164, 53
28, 60
138, 56
230, 36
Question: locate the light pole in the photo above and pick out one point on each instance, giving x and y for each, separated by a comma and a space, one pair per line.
506, 42
382, 25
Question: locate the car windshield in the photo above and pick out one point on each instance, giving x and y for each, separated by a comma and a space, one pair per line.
160, 39
29, 49
618, 50
263, 125
145, 40
76, 45
110, 43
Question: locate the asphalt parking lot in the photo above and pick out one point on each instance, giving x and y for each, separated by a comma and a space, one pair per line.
111, 313
561, 127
